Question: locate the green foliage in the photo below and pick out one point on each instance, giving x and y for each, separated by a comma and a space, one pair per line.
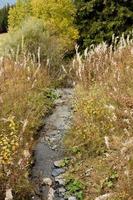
32, 36
28, 37
4, 19
65, 162
111, 180
98, 20
75, 187
52, 95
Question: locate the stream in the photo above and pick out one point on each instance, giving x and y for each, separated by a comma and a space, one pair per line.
49, 152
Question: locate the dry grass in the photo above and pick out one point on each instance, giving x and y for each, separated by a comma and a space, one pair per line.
102, 134
23, 101
3, 37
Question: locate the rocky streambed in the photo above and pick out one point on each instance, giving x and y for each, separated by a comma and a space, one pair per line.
48, 170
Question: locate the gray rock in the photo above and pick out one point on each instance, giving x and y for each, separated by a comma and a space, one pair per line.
61, 176
59, 101
54, 147
61, 195
51, 194
36, 198
62, 190
72, 198
58, 163
61, 182
57, 172
47, 181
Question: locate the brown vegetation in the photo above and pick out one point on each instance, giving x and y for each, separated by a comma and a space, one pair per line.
102, 135
24, 86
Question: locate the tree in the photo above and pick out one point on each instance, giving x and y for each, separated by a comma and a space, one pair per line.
18, 14
98, 20
57, 15
4, 19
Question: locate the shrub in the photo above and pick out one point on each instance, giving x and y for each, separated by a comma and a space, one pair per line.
32, 35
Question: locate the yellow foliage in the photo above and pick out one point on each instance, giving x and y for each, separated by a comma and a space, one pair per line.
58, 17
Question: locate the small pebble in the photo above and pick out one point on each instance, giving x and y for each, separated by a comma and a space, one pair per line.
61, 195
60, 181
36, 198
62, 190
54, 147
57, 172
51, 194
47, 181
72, 198
58, 163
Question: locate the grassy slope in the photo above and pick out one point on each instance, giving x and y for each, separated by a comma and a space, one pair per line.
101, 139
23, 103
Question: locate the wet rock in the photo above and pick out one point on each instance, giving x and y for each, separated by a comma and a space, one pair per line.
58, 101
9, 195
37, 191
62, 190
61, 182
35, 198
51, 194
57, 172
47, 181
61, 195
54, 147
58, 163
61, 176
51, 133
72, 198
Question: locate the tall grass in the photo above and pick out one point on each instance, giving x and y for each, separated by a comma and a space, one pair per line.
24, 86
102, 135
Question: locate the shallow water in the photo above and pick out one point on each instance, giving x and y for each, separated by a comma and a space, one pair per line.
49, 147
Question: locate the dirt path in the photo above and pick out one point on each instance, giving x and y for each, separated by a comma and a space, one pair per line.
47, 172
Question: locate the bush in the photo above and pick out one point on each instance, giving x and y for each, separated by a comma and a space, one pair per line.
31, 36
